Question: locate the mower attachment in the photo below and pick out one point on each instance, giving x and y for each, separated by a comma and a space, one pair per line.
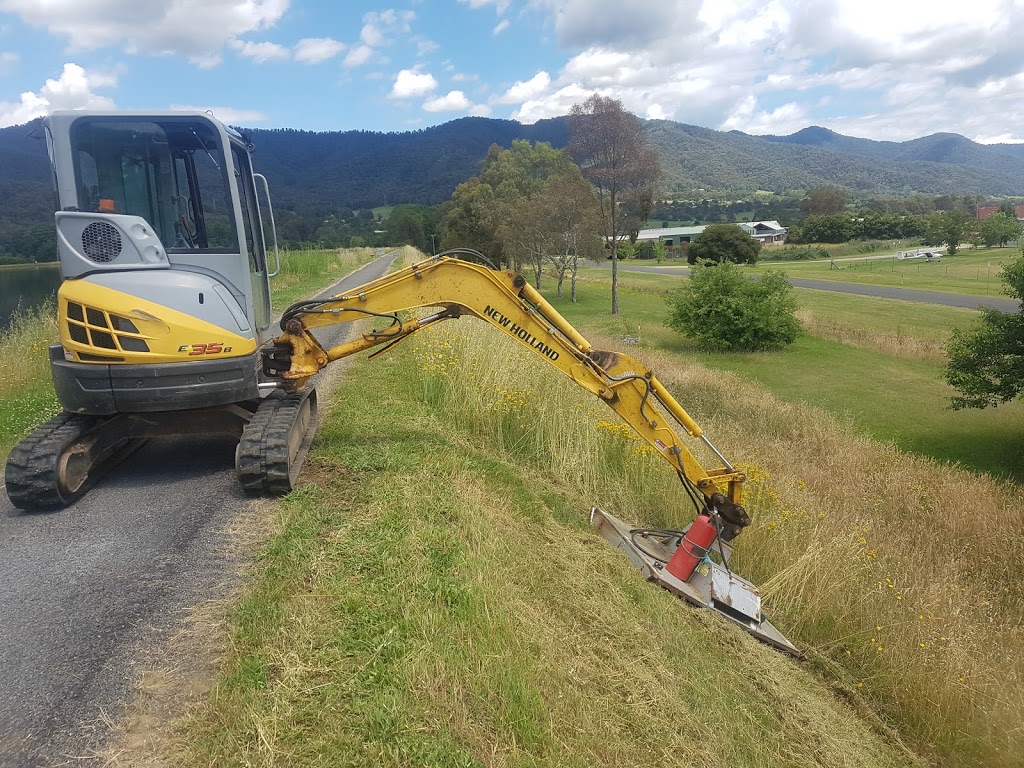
712, 584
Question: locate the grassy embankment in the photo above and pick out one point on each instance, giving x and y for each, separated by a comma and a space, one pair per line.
26, 394
435, 596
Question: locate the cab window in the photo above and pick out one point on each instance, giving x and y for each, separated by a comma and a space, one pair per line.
169, 172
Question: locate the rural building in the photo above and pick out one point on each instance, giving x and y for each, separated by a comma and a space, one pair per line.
670, 235
765, 231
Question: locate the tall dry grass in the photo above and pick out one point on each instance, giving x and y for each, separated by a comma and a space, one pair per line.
26, 394
23, 347
894, 343
900, 577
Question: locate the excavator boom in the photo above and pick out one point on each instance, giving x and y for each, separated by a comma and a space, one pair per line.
506, 301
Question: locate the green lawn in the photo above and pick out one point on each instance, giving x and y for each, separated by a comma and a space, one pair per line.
882, 391
975, 272
868, 313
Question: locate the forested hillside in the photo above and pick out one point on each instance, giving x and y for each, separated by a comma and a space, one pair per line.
942, 163
318, 175
26, 214
363, 169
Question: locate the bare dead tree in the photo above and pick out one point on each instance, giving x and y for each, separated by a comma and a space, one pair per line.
609, 145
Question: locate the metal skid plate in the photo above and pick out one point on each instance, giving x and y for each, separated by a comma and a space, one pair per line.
711, 586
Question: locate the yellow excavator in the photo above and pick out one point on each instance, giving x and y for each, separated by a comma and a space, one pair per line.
165, 328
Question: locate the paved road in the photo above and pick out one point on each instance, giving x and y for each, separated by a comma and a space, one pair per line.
881, 291
88, 591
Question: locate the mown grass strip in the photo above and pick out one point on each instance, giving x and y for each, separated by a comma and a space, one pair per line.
306, 271
435, 597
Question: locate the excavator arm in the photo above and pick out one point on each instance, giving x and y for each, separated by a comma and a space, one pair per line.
506, 301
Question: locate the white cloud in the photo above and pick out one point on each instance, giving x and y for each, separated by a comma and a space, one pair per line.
384, 27
453, 101
381, 29
411, 83
315, 50
72, 90
197, 29
426, 47
499, 5
780, 121
358, 56
526, 90
261, 52
656, 112
500, 27
871, 67
554, 105
227, 115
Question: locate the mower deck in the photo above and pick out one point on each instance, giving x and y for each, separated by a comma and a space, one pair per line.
712, 585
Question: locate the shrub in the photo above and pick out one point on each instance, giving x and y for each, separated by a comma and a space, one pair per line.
624, 250
645, 250
723, 311
724, 242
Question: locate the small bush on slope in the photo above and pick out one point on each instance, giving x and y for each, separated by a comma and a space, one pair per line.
724, 311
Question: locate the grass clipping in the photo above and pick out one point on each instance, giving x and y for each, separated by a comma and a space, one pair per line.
436, 596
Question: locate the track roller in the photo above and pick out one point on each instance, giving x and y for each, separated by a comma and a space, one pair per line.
275, 443
62, 459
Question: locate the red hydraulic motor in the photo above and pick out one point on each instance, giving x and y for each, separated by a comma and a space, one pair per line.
693, 548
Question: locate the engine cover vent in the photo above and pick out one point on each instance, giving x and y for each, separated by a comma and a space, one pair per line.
101, 242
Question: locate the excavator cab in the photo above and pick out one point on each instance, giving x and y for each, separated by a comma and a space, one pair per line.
164, 258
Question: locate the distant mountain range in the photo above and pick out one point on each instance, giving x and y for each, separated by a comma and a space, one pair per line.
317, 173
942, 163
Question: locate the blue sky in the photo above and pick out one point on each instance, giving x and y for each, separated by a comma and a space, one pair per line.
873, 68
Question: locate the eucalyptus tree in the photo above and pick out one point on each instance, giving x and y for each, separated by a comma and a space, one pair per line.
487, 211
570, 218
609, 145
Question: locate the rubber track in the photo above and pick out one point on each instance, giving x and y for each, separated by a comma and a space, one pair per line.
251, 458
31, 471
263, 461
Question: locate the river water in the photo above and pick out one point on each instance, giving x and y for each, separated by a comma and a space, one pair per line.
26, 288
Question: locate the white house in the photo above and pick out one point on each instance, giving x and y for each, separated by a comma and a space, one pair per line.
765, 231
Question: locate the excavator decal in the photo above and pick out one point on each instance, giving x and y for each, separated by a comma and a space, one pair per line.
522, 334
213, 348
